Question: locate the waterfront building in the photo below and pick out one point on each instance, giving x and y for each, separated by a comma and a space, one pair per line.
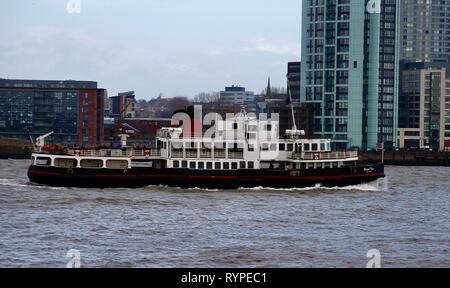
123, 105
425, 30
425, 106
234, 97
72, 109
350, 70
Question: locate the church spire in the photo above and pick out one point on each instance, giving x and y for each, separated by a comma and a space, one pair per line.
269, 89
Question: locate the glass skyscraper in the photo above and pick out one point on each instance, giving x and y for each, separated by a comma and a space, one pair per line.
350, 70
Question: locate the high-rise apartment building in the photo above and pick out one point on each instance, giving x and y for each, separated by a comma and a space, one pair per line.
425, 30
425, 106
350, 70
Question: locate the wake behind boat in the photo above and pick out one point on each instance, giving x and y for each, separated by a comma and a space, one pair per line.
240, 152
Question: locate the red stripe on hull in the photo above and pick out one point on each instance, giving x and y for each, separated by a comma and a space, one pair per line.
210, 177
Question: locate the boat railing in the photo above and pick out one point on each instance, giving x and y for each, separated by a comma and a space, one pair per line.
205, 154
191, 154
235, 155
115, 153
325, 155
219, 154
177, 154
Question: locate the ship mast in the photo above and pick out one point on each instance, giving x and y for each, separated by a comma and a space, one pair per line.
294, 126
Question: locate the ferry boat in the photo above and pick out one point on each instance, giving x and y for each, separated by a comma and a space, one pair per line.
241, 152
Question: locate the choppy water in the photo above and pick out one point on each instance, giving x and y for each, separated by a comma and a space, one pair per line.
407, 219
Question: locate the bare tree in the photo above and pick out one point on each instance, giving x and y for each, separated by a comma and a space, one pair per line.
204, 97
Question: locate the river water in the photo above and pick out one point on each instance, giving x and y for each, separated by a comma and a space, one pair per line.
406, 218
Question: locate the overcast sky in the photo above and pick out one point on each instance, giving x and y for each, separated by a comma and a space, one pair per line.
174, 47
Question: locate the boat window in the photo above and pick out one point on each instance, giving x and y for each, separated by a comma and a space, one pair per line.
217, 165
252, 128
206, 146
192, 165
234, 166
91, 163
265, 147
315, 147
322, 147
242, 165
252, 136
65, 163
117, 164
201, 165
251, 165
176, 164
307, 148
177, 145
43, 161
290, 147
219, 145
268, 127
235, 126
282, 147
32, 160
251, 147
273, 147
226, 166
209, 165
184, 164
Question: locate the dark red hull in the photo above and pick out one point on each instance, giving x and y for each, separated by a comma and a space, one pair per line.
212, 179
